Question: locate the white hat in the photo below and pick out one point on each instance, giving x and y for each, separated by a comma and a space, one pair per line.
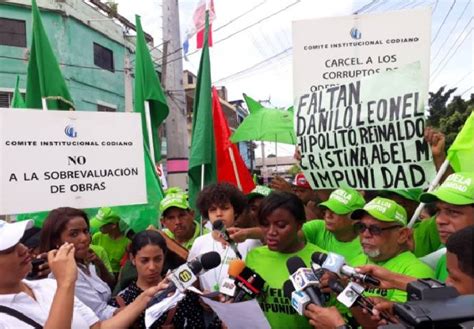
11, 233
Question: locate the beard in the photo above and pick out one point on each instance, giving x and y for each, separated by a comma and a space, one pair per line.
372, 253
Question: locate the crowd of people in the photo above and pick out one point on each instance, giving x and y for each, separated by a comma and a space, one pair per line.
63, 276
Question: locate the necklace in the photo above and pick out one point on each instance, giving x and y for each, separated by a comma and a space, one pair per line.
216, 286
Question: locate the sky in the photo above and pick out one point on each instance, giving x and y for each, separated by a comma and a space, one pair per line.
252, 51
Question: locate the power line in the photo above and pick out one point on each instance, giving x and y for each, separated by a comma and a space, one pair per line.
465, 91
253, 66
365, 7
245, 28
462, 79
240, 16
65, 64
446, 63
444, 20
450, 32
435, 6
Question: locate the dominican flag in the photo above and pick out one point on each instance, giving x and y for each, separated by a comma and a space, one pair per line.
197, 25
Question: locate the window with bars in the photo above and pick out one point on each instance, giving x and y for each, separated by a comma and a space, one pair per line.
103, 57
12, 32
103, 108
6, 98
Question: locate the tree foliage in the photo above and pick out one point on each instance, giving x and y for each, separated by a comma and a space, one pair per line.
448, 118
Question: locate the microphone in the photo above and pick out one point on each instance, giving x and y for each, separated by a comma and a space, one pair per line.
185, 275
303, 279
219, 226
228, 284
249, 283
299, 299
352, 294
337, 264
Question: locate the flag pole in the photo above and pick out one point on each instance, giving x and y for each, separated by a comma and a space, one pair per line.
44, 104
202, 187
150, 136
432, 186
276, 155
234, 166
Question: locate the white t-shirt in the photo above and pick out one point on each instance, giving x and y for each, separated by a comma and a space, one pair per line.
38, 310
212, 279
93, 292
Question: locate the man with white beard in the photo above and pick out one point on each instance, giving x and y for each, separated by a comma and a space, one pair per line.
384, 239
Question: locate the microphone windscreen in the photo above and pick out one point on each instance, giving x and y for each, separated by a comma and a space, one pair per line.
210, 260
195, 266
319, 257
336, 285
294, 263
218, 225
288, 289
235, 267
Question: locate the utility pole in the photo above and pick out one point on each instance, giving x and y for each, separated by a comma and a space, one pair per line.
176, 122
128, 83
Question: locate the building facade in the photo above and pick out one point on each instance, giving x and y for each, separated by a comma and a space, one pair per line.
92, 45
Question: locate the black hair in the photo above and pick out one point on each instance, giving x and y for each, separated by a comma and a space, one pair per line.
55, 224
31, 238
149, 237
220, 194
284, 200
460, 244
431, 209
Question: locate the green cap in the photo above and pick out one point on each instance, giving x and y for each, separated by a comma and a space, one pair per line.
343, 201
178, 200
174, 189
104, 216
412, 194
457, 189
259, 190
384, 210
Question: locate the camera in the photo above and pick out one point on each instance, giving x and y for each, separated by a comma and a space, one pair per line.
432, 304
36, 263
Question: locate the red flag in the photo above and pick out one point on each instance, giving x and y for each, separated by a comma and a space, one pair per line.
229, 162
198, 22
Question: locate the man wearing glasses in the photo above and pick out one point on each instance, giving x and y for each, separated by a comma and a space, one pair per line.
384, 239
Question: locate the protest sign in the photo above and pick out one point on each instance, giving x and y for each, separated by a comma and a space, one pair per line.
366, 134
54, 159
335, 50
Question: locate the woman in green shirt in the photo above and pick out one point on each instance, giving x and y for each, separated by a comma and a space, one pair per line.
280, 216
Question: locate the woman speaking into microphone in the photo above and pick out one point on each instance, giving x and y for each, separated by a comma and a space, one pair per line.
280, 217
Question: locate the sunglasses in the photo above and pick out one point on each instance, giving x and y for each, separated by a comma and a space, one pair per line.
373, 229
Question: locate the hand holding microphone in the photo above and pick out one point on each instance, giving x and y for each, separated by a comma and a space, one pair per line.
388, 279
219, 226
184, 276
303, 279
336, 263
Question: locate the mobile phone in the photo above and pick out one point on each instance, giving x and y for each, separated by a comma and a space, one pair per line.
36, 263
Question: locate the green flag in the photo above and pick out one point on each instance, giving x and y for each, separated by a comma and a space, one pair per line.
44, 75
17, 101
461, 152
202, 141
148, 88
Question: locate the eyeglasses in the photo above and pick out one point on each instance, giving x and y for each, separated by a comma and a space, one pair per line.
373, 229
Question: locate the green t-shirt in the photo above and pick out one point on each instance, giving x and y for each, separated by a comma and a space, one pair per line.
114, 248
441, 273
102, 254
188, 244
316, 233
426, 237
404, 263
271, 266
